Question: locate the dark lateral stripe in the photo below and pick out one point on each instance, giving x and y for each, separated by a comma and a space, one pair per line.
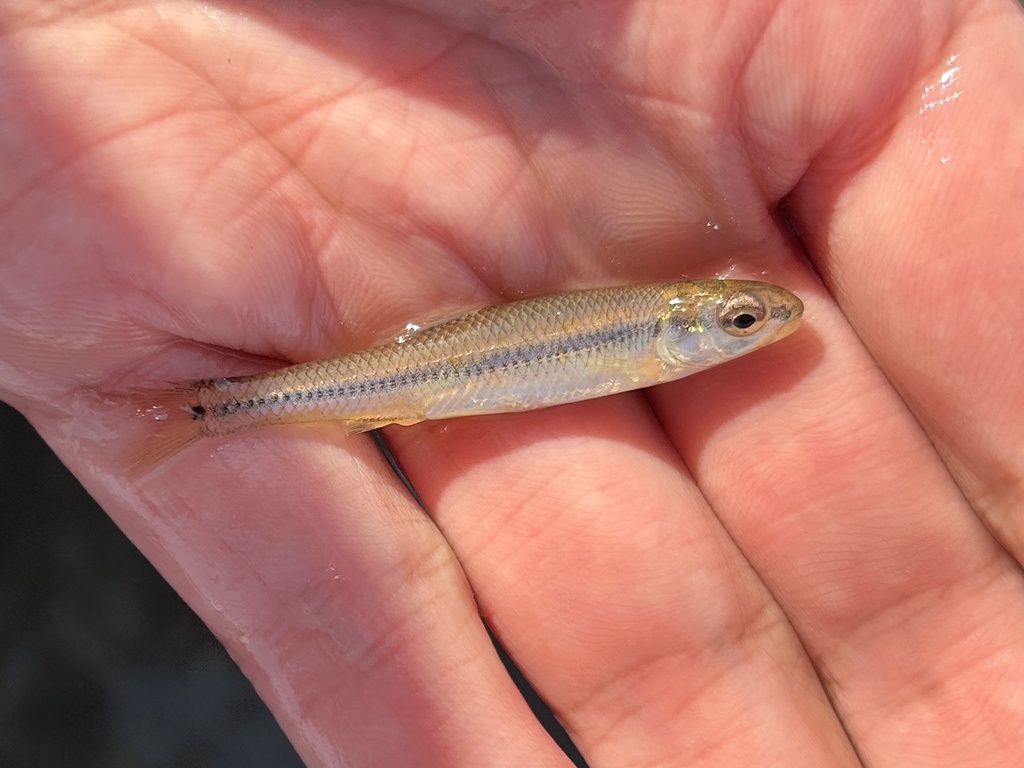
499, 359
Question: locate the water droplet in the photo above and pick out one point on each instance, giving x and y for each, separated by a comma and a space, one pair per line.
409, 331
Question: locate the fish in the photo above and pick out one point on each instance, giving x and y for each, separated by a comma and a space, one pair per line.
521, 355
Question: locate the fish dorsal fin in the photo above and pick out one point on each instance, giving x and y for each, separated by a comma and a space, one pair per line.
412, 329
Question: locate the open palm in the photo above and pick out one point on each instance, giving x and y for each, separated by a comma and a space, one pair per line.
806, 557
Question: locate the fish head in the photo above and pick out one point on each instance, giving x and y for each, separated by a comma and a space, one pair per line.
709, 321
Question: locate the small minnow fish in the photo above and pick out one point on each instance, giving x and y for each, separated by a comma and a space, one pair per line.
511, 357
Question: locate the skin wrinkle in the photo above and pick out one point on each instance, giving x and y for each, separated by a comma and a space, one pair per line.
579, 227
267, 192
937, 600
533, 492
685, 176
687, 710
732, 640
394, 318
271, 194
452, 665
438, 559
934, 599
525, 169
526, 521
390, 626
758, 162
292, 162
896, 598
983, 498
85, 154
447, 240
743, 628
35, 17
637, 709
527, 151
129, 129
488, 32
504, 197
431, 62
405, 159
34, 184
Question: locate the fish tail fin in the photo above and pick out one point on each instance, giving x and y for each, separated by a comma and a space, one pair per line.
170, 419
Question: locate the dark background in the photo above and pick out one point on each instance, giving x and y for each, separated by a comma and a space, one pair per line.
101, 663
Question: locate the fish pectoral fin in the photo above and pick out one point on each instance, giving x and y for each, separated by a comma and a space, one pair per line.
647, 369
425, 324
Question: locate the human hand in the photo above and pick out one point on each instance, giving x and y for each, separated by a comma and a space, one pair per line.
806, 556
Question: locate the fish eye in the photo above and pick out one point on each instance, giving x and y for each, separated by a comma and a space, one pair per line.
742, 315
744, 320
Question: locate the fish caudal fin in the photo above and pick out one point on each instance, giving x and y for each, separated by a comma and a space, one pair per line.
167, 423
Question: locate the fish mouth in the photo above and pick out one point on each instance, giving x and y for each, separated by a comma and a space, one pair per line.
783, 313
787, 315
789, 307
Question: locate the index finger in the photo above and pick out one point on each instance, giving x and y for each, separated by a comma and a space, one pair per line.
931, 277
